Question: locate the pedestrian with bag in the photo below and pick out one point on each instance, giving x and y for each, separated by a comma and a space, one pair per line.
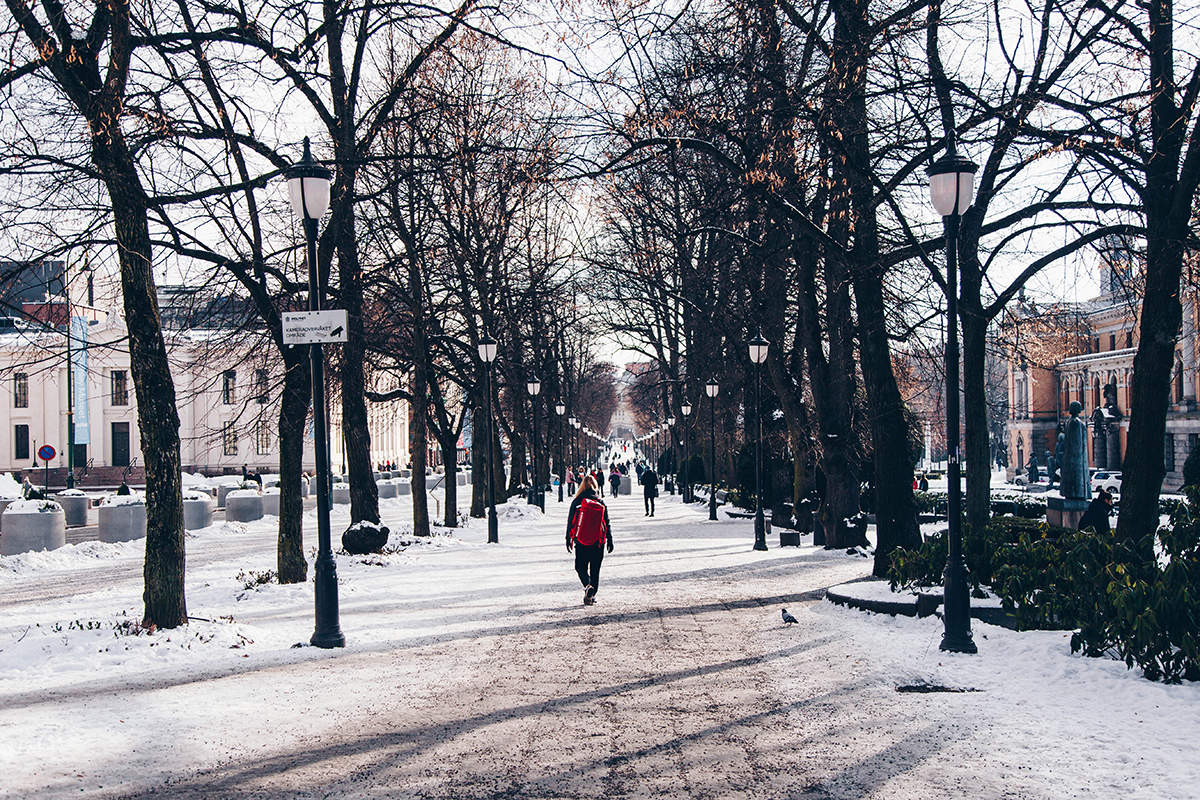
588, 534
649, 481
614, 480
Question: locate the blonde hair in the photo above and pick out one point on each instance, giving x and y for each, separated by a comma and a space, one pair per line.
588, 482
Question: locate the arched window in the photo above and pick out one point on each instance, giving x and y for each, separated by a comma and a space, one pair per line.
1177, 382
1096, 398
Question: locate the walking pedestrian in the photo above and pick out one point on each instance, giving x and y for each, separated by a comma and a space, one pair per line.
649, 481
588, 534
614, 480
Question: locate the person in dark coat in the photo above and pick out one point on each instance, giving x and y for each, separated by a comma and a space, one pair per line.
588, 557
1096, 516
649, 481
614, 480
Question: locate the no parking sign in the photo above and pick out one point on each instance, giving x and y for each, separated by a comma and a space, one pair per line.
47, 452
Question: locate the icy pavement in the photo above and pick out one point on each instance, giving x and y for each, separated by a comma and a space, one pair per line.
474, 671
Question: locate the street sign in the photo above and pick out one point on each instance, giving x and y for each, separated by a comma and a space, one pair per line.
314, 327
47, 452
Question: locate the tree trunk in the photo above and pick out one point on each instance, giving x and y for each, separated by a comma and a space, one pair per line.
419, 435
293, 423
479, 449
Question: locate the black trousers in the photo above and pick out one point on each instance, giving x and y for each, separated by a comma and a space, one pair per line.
650, 502
587, 563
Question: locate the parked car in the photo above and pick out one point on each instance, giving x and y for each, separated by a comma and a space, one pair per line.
1106, 480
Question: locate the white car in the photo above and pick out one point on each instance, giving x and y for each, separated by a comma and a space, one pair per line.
1106, 480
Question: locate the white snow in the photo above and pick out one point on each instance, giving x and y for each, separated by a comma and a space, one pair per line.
32, 507
90, 704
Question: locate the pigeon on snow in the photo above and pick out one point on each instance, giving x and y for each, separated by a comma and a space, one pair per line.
788, 618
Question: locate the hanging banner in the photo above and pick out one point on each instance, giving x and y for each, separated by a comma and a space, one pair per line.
79, 369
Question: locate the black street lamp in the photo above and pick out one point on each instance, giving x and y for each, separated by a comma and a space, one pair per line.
560, 408
711, 388
686, 408
758, 354
951, 186
308, 188
575, 444
487, 353
536, 496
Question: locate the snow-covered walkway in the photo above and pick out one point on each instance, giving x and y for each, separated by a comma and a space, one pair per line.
473, 671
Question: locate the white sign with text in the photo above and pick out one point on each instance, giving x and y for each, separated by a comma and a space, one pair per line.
314, 327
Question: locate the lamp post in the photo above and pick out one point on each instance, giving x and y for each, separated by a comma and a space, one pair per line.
308, 189
711, 388
487, 353
758, 354
574, 455
560, 408
951, 185
536, 496
686, 408
575, 442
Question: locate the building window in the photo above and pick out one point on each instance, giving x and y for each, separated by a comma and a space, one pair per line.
263, 439
260, 385
1169, 452
120, 388
229, 439
1178, 382
1112, 341
1129, 338
21, 442
21, 390
229, 388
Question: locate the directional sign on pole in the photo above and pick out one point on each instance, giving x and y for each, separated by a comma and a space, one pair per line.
314, 327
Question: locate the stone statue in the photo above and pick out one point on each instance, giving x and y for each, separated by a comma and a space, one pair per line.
1074, 468
1110, 400
1099, 438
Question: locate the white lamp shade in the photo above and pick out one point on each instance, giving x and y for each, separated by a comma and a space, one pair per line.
534, 386
945, 188
711, 388
670, 420
487, 349
308, 186
560, 409
758, 348
686, 408
309, 196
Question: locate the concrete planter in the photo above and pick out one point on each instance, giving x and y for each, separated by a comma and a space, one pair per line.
406, 473
461, 477
75, 506
305, 486
4, 501
122, 523
387, 489
28, 530
222, 492
197, 512
270, 501
244, 505
403, 488
341, 494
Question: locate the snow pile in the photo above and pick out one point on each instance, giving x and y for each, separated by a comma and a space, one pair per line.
10, 488
71, 556
32, 507
131, 499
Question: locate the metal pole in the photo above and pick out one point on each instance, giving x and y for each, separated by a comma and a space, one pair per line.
493, 526
327, 632
760, 525
562, 470
957, 598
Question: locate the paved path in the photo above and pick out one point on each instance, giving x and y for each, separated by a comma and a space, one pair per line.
671, 686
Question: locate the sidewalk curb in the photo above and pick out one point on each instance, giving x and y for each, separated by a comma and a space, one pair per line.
923, 604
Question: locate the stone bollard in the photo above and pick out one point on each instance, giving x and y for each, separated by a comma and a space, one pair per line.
387, 489
243, 505
341, 493
32, 525
461, 478
122, 518
404, 488
304, 486
270, 500
4, 501
197, 510
75, 505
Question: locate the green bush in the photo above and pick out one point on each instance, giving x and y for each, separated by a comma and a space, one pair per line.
1144, 610
930, 502
1191, 468
924, 566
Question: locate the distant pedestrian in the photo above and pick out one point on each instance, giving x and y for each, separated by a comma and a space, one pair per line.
649, 481
571, 481
923, 485
614, 480
589, 533
599, 480
1096, 516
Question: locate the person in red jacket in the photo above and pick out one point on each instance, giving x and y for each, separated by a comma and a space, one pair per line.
588, 534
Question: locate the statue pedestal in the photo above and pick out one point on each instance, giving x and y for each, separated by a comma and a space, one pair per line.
1065, 512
